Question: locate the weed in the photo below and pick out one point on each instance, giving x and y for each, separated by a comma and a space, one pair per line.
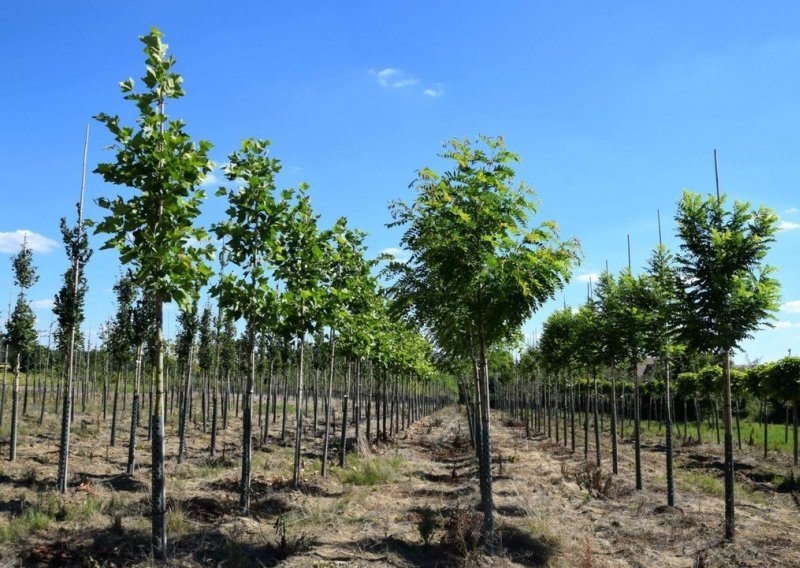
427, 523
373, 471
591, 478
462, 533
177, 521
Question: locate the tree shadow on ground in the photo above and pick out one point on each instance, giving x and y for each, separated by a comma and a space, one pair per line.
416, 554
213, 548
117, 482
96, 546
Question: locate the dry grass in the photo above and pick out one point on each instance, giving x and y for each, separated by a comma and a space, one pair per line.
410, 503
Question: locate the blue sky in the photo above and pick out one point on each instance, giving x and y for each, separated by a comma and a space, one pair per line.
615, 108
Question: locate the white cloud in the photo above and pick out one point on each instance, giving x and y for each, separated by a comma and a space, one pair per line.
782, 324
392, 78
590, 277
792, 210
211, 179
792, 307
10, 242
788, 226
437, 91
398, 254
46, 304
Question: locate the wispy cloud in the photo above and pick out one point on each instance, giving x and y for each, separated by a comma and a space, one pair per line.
788, 226
783, 324
436, 91
398, 254
46, 304
792, 307
791, 210
10, 242
590, 277
394, 78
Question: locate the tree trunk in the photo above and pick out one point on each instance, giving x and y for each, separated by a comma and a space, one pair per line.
113, 409
135, 411
183, 416
614, 452
596, 421
298, 413
343, 446
637, 427
158, 498
247, 423
670, 477
12, 450
727, 420
487, 501
328, 398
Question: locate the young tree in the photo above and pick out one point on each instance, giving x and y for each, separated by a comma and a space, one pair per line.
612, 344
659, 336
301, 268
474, 255
68, 308
20, 331
727, 290
256, 216
633, 319
154, 228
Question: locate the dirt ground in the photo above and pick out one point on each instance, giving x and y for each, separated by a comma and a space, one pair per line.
551, 509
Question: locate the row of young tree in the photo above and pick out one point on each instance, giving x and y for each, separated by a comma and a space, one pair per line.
297, 289
683, 315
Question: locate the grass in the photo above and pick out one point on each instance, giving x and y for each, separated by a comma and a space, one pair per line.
371, 471
776, 437
177, 521
714, 486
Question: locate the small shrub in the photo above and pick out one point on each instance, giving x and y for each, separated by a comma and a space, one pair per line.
590, 478
286, 545
462, 533
116, 524
427, 523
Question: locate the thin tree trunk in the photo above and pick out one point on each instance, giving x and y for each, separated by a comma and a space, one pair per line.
247, 423
158, 498
298, 413
12, 450
135, 411
329, 395
729, 486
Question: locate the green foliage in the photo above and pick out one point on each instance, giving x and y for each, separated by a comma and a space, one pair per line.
21, 324
255, 218
727, 291
557, 345
25, 274
154, 228
188, 324
783, 379
21, 330
476, 266
427, 523
69, 302
205, 352
120, 336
